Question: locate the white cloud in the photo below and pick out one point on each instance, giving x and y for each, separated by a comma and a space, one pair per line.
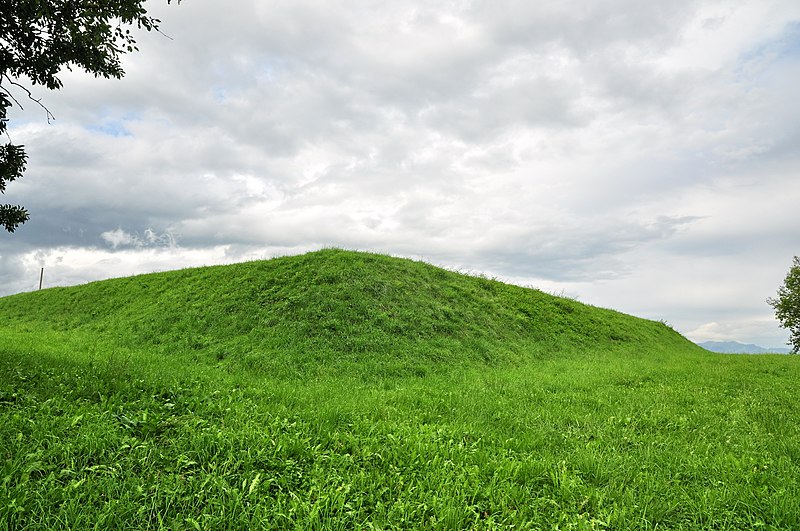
117, 238
149, 238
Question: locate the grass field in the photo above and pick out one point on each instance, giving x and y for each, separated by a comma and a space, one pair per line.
341, 390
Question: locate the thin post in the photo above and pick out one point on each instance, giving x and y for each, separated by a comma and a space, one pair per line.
41, 277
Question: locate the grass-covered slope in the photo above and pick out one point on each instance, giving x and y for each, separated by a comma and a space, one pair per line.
341, 390
333, 308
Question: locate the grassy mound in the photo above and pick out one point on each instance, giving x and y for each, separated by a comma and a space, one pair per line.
341, 390
335, 308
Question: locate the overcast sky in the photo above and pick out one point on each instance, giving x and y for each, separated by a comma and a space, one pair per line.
641, 156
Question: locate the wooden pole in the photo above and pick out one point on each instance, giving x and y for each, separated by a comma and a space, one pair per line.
41, 277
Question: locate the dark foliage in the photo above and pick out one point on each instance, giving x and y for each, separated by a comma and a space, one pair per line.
787, 304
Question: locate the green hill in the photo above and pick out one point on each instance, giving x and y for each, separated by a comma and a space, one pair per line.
342, 390
333, 308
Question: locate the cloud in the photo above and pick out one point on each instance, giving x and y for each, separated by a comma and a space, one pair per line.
119, 238
623, 151
751, 326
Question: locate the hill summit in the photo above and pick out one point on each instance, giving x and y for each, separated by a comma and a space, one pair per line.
334, 308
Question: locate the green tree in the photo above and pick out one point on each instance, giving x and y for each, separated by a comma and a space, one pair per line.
38, 38
787, 304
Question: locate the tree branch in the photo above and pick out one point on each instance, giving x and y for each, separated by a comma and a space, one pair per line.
28, 92
9, 94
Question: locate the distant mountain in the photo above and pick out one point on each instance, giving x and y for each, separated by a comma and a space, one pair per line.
734, 347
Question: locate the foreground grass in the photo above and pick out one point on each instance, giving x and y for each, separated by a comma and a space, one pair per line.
98, 437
